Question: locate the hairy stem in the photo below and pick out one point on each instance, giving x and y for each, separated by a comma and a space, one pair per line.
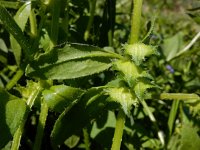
135, 21
178, 96
118, 130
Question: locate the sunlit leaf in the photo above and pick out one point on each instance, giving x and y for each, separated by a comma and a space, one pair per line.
60, 96
172, 45
130, 71
123, 96
21, 19
189, 138
139, 51
12, 112
141, 88
72, 61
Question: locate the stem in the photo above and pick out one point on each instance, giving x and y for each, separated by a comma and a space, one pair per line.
33, 23
135, 21
92, 10
86, 139
178, 96
41, 126
118, 130
14, 80
55, 4
17, 137
153, 119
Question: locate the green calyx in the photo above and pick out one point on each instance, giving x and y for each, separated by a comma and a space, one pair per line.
139, 51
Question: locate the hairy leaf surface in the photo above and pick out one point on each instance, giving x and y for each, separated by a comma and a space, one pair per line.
123, 96
139, 51
60, 96
130, 71
72, 61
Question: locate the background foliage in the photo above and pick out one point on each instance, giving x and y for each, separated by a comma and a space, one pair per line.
68, 105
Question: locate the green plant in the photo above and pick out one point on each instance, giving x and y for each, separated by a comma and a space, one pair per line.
78, 88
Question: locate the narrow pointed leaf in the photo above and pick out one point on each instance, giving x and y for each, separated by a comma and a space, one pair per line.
72, 61
12, 27
21, 19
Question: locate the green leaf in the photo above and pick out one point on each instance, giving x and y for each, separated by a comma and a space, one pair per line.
8, 4
60, 96
72, 61
172, 116
69, 70
123, 96
21, 19
141, 88
12, 112
189, 138
14, 29
172, 46
130, 71
78, 115
72, 141
139, 51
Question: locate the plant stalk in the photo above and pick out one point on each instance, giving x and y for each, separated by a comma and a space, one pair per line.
41, 126
118, 130
14, 80
55, 7
91, 18
17, 137
135, 21
153, 119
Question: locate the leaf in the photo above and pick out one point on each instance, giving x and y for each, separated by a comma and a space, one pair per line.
60, 96
21, 19
172, 46
172, 116
12, 27
141, 88
123, 96
15, 112
139, 51
110, 122
130, 71
72, 141
69, 70
189, 138
78, 115
12, 112
72, 61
